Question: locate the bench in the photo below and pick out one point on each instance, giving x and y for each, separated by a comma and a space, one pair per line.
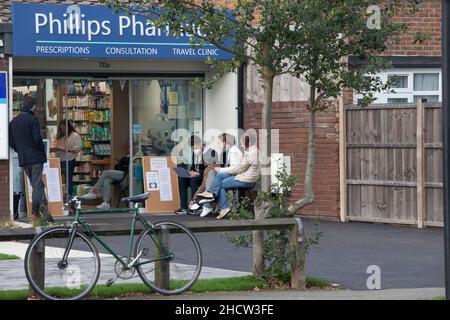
294, 225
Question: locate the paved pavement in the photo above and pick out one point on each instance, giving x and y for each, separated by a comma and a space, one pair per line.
388, 294
12, 274
407, 257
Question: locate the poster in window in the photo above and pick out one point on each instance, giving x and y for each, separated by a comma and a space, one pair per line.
51, 101
173, 97
51, 135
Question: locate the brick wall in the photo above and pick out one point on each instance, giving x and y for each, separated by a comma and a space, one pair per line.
427, 19
4, 169
291, 118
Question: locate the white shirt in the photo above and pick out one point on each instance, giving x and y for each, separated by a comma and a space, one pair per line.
72, 142
234, 157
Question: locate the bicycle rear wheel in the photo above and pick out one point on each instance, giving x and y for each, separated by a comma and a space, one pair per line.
168, 264
69, 279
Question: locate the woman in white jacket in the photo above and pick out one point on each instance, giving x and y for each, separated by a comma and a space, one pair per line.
244, 175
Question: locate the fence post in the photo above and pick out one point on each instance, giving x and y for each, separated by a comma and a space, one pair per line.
162, 267
38, 267
342, 161
420, 152
298, 278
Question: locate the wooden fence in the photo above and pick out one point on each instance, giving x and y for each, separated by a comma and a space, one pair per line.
393, 164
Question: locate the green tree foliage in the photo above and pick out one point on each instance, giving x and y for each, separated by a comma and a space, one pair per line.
308, 39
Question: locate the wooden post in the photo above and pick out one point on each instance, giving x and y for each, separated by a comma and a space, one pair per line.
38, 267
298, 278
342, 161
420, 152
162, 267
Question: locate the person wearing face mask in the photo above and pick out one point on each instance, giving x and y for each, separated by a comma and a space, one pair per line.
195, 167
25, 138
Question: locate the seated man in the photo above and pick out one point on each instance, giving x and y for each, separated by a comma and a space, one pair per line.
196, 167
107, 178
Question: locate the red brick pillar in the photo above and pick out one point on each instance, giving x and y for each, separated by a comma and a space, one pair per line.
4, 189
4, 168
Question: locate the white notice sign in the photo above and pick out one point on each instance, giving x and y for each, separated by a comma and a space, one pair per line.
46, 167
158, 163
165, 185
152, 181
53, 185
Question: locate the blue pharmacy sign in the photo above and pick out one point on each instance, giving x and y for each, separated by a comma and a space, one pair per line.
86, 31
4, 147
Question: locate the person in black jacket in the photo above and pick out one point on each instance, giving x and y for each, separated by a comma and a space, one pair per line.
25, 138
196, 167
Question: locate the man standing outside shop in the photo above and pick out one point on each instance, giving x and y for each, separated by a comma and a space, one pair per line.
25, 138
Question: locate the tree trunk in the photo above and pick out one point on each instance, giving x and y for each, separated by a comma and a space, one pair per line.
308, 193
266, 124
261, 209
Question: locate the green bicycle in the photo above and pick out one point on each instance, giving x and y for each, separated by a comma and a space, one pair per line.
168, 265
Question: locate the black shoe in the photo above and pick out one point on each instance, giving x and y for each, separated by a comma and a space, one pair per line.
43, 211
181, 211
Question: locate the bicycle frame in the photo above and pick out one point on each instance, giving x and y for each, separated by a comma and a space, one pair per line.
127, 264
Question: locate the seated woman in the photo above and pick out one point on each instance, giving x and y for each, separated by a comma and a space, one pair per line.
107, 178
243, 176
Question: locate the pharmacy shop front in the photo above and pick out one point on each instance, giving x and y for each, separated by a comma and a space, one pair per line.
125, 85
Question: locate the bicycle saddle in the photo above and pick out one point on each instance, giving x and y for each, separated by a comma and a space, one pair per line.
137, 198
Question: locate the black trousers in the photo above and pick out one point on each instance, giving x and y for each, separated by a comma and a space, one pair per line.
184, 184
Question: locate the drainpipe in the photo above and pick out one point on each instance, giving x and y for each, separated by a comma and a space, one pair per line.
445, 40
241, 96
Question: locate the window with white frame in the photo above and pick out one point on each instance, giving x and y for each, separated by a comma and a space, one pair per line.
410, 85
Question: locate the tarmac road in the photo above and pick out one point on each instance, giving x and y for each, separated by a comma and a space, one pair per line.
407, 257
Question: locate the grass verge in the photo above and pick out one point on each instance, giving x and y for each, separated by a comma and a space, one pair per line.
245, 283
8, 257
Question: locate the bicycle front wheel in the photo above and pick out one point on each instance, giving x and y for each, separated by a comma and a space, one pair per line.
51, 275
170, 258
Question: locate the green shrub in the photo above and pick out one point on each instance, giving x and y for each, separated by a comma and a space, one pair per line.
277, 254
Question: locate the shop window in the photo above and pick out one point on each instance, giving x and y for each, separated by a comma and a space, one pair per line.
87, 105
160, 107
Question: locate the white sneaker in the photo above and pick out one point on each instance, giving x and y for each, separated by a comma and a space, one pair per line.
202, 201
104, 205
206, 211
195, 206
206, 194
88, 196
223, 213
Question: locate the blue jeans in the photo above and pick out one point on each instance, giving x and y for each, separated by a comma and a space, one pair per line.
34, 173
223, 182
